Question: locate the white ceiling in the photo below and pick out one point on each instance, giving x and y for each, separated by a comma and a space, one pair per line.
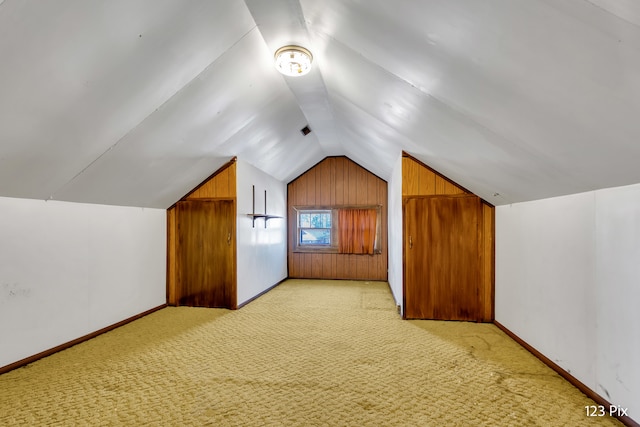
134, 102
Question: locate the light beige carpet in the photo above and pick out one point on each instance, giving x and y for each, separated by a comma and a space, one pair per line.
308, 353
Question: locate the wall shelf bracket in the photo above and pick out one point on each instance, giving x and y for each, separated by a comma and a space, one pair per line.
255, 216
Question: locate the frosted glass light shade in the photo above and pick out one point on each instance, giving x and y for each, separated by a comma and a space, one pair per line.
293, 60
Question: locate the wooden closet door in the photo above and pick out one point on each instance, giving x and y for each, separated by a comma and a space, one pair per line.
205, 253
442, 258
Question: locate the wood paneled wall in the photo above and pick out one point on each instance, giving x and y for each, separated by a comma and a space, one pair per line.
332, 183
420, 180
220, 185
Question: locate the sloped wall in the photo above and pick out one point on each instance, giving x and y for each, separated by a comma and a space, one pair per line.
332, 183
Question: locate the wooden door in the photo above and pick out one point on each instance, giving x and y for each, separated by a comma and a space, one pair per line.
442, 258
205, 253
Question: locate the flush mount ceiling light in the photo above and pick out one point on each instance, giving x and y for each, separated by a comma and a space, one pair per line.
293, 60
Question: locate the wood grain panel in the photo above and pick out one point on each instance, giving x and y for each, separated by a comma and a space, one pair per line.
332, 183
420, 180
341, 268
362, 187
325, 267
427, 180
318, 191
323, 183
352, 199
233, 179
339, 182
316, 265
332, 180
445, 187
171, 259
352, 266
488, 262
442, 263
410, 177
372, 190
205, 253
300, 193
363, 264
222, 184
311, 187
334, 265
416, 268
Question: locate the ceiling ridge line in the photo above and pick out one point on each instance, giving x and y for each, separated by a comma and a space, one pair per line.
155, 110
326, 102
321, 34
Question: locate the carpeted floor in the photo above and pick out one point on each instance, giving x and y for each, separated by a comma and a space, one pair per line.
308, 353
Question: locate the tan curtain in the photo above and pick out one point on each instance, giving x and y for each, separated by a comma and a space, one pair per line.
356, 231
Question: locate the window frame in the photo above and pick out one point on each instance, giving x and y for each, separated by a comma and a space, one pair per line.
298, 247
329, 229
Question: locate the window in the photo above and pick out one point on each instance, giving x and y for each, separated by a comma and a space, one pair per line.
344, 229
314, 228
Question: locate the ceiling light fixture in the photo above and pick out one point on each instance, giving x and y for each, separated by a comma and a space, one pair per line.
293, 60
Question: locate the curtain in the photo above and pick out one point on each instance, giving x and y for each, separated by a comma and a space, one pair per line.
357, 231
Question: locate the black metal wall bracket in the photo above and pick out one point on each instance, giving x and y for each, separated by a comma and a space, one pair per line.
255, 216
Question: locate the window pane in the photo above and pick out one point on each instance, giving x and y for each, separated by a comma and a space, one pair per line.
305, 220
316, 220
315, 236
314, 228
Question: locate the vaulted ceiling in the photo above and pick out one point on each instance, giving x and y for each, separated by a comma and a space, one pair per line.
134, 102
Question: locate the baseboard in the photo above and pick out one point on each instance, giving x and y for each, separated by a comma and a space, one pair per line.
626, 420
66, 345
260, 294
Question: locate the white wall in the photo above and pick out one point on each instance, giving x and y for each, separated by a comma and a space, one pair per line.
568, 283
69, 269
395, 231
261, 252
